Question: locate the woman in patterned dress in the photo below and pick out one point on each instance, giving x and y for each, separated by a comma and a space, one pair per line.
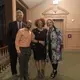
54, 45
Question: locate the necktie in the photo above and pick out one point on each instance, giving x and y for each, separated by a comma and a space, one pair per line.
19, 27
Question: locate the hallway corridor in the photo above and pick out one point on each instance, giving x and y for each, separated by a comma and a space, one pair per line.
69, 68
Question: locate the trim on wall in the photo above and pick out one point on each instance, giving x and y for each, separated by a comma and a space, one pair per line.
58, 20
73, 30
55, 10
73, 42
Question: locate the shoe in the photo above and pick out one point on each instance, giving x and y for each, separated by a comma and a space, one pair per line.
21, 79
39, 75
26, 78
15, 77
53, 74
42, 74
18, 75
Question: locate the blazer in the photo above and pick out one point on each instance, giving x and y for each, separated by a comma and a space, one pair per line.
11, 32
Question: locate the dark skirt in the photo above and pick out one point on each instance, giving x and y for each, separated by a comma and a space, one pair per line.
39, 52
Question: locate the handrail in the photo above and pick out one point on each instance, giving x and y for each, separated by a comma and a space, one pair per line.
3, 47
4, 58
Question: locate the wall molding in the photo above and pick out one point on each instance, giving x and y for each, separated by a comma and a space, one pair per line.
55, 10
73, 30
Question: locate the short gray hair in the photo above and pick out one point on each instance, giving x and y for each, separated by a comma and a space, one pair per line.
19, 11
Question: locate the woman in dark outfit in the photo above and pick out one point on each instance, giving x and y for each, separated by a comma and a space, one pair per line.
39, 49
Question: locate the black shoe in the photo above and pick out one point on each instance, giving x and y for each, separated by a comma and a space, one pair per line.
38, 75
14, 77
42, 74
53, 74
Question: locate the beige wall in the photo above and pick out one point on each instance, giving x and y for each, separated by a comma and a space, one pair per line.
72, 27
72, 6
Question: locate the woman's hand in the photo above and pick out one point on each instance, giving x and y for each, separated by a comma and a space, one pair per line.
42, 42
36, 41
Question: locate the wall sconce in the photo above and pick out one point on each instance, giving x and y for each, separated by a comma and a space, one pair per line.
55, 2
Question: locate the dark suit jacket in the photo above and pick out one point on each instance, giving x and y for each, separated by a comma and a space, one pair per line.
12, 31
11, 34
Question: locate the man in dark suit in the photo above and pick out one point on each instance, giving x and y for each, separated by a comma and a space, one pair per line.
12, 31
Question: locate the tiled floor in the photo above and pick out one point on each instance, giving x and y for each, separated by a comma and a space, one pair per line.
69, 68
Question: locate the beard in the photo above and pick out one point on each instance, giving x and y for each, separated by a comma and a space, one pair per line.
28, 28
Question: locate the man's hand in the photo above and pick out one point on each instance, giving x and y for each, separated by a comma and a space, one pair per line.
19, 52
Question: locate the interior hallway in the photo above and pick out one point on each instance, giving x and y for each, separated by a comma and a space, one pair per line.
69, 68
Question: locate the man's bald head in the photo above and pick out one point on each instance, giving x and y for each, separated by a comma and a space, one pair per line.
29, 24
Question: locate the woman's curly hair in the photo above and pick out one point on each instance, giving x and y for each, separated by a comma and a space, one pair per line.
42, 20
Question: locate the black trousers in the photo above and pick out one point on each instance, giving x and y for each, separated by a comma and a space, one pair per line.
13, 58
54, 66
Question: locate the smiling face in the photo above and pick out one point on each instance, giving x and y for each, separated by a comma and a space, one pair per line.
29, 24
19, 16
50, 23
40, 24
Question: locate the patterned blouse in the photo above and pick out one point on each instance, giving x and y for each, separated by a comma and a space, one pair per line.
55, 44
